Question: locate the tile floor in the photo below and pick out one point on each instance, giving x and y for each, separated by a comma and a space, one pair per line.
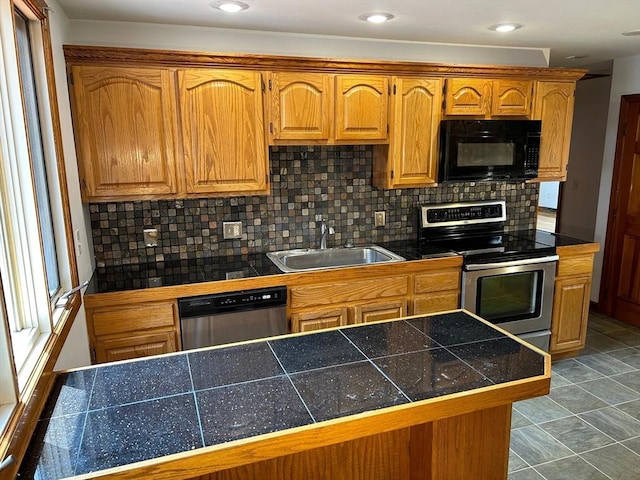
588, 427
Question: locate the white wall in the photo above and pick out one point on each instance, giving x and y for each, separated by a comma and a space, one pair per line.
221, 40
579, 194
625, 80
75, 352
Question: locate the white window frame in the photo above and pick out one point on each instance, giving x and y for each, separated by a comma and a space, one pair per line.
23, 284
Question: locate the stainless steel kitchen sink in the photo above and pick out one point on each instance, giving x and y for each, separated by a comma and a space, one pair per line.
302, 260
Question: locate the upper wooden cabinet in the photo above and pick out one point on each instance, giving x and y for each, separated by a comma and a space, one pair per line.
361, 107
301, 106
554, 106
326, 108
411, 159
488, 97
223, 135
125, 126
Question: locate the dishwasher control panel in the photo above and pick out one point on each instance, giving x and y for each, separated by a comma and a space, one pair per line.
240, 300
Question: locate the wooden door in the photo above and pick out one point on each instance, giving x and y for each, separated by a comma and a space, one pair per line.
467, 96
301, 105
554, 106
124, 121
415, 119
223, 132
512, 97
361, 107
620, 293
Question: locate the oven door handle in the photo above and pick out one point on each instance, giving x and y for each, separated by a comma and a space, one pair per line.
514, 263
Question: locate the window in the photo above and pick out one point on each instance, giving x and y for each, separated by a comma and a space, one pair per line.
36, 258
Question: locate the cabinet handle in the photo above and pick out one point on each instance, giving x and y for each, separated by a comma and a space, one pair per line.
7, 462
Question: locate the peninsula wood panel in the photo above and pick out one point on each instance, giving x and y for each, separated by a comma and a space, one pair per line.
301, 105
124, 122
411, 159
362, 103
223, 132
554, 106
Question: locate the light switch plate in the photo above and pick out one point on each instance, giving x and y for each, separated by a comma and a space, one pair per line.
380, 219
231, 230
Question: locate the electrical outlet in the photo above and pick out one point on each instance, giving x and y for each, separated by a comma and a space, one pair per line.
150, 237
380, 219
231, 230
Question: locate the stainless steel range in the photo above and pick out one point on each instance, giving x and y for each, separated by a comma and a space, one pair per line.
507, 278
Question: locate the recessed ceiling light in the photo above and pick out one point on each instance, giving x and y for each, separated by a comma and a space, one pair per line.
505, 27
376, 17
230, 6
632, 33
576, 57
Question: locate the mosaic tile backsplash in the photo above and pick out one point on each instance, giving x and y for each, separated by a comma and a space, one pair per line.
334, 181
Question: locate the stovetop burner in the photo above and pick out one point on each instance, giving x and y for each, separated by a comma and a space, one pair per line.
476, 231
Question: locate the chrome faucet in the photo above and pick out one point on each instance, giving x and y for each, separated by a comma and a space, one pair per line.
324, 232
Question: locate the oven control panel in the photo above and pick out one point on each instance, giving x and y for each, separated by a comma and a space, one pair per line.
449, 214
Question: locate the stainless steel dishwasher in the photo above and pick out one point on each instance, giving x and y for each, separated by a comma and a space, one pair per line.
232, 317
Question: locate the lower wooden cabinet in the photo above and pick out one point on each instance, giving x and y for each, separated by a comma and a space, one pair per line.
376, 312
436, 291
571, 298
124, 332
137, 346
318, 320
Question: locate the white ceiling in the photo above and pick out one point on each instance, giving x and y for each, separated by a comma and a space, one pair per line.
567, 27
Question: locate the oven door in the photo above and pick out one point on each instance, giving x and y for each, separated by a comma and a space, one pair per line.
516, 296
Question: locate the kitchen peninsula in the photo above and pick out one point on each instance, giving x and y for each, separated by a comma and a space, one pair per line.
424, 397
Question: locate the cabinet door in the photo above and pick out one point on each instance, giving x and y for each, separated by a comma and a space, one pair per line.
135, 346
361, 107
570, 314
467, 96
376, 312
415, 118
317, 320
124, 122
301, 106
512, 97
223, 133
554, 106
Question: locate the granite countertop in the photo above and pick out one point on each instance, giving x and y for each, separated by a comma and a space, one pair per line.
117, 414
207, 269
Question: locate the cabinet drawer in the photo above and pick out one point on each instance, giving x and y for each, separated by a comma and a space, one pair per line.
344, 292
578, 265
437, 281
108, 321
435, 303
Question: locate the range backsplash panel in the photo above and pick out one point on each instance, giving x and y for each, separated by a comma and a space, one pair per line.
334, 181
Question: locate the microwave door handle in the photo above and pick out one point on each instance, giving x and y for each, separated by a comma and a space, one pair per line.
514, 263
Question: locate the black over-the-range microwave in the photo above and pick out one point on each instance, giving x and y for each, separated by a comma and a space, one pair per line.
477, 150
